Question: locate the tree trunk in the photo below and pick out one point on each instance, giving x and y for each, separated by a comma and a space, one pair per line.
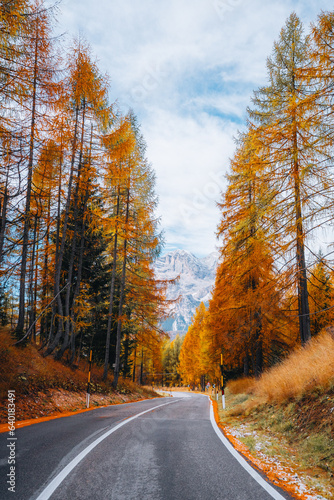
303, 303
142, 369
50, 336
32, 312
121, 298
112, 290
26, 225
66, 338
134, 366
51, 347
3, 219
73, 246
45, 288
246, 365
258, 344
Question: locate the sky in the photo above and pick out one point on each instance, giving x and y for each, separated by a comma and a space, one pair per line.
187, 68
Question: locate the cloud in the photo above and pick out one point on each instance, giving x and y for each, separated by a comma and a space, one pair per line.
187, 68
190, 155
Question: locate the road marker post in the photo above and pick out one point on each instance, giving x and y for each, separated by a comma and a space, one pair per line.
88, 383
222, 380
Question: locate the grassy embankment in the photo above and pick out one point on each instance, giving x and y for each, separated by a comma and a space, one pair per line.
46, 387
285, 420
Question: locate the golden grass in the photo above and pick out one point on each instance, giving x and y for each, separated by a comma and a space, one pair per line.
24, 369
241, 386
306, 369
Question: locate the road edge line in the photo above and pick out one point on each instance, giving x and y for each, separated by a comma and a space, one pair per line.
53, 485
255, 475
31, 421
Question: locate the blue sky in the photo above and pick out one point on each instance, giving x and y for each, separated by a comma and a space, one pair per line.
187, 68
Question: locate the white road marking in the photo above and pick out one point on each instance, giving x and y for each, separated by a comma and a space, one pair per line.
269, 489
49, 490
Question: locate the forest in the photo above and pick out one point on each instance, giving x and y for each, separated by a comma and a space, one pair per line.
78, 230
274, 286
79, 233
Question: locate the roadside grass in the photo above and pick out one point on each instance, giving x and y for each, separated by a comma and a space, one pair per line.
241, 386
287, 416
309, 368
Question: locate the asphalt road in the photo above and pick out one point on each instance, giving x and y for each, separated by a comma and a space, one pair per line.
170, 451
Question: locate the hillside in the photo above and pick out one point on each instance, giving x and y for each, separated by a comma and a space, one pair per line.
45, 387
194, 286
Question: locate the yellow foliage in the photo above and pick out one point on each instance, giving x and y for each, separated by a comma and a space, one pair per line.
195, 359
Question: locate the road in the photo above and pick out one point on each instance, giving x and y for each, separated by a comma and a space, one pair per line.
161, 449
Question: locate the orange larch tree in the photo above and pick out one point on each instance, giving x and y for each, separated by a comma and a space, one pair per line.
291, 126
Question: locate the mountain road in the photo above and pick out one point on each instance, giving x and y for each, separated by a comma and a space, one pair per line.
160, 449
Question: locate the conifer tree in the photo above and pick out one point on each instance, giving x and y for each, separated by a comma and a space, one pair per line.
244, 317
321, 291
289, 123
36, 93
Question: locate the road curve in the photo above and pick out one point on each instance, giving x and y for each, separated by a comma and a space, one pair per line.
161, 449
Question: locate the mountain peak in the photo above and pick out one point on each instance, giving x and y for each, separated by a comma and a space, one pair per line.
197, 276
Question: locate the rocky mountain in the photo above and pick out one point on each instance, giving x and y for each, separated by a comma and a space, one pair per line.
197, 277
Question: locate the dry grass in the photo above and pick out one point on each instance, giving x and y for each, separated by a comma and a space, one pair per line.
241, 386
305, 370
24, 369
35, 379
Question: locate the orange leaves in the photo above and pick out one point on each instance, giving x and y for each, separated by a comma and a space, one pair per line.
280, 189
77, 176
85, 85
119, 145
322, 35
245, 296
194, 356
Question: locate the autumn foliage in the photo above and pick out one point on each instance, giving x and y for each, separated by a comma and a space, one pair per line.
273, 289
78, 230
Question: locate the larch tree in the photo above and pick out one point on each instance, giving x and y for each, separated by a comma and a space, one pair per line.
119, 145
76, 195
139, 234
194, 349
14, 29
84, 104
291, 128
244, 313
36, 95
134, 243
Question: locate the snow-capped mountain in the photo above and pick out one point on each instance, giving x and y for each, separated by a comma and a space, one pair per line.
197, 278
